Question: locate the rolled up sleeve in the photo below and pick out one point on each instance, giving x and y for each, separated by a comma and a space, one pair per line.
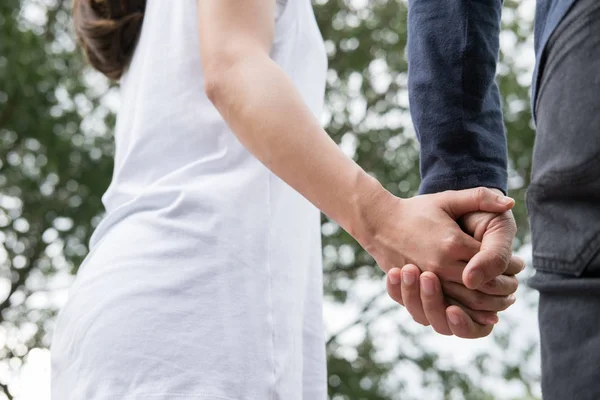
454, 100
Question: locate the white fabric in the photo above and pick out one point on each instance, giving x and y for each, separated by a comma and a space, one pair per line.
204, 278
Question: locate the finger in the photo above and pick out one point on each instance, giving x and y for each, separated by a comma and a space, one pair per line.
476, 300
434, 305
515, 265
495, 254
452, 272
485, 266
502, 285
394, 289
412, 294
458, 203
481, 317
463, 326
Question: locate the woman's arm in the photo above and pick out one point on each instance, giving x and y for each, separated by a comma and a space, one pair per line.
266, 112
269, 117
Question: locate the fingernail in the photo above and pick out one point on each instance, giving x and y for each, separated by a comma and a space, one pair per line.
427, 285
505, 200
408, 278
454, 318
512, 298
476, 277
492, 319
394, 279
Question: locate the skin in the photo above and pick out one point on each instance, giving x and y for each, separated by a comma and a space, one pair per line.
454, 309
267, 114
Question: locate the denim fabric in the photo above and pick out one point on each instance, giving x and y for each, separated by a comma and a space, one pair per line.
564, 195
563, 201
454, 100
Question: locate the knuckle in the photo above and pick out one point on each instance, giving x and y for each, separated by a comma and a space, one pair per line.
493, 286
477, 301
451, 243
499, 259
501, 287
507, 222
479, 193
428, 308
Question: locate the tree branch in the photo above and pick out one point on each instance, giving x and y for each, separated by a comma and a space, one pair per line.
36, 253
360, 318
6, 391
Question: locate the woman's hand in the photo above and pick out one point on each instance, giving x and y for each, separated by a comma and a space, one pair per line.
268, 115
423, 231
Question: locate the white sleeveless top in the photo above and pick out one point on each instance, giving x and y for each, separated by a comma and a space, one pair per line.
204, 278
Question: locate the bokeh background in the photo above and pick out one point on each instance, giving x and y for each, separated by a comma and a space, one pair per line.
56, 148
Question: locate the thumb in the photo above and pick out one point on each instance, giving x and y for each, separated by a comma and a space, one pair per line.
459, 202
495, 253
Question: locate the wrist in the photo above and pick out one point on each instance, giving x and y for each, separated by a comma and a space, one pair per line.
370, 202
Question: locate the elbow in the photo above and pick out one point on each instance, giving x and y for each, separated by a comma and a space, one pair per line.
227, 72
219, 74
214, 85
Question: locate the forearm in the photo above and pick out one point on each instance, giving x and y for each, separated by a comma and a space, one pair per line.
269, 117
455, 104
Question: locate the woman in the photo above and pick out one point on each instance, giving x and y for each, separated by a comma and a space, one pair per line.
204, 278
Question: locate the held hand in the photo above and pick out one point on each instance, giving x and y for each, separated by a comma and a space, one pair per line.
452, 308
473, 311
496, 233
423, 230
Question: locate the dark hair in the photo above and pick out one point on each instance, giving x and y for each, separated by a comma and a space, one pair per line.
108, 31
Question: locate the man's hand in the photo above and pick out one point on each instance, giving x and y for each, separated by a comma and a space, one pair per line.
496, 233
452, 309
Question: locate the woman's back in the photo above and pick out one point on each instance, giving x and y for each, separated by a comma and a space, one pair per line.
199, 239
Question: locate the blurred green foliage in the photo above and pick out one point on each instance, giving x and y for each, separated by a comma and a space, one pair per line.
56, 161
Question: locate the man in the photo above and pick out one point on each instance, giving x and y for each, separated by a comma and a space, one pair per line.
453, 48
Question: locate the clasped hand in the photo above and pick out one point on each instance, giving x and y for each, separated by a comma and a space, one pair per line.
448, 257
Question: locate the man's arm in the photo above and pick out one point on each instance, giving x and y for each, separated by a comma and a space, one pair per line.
454, 100
455, 104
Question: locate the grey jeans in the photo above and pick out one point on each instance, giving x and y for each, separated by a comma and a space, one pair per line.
563, 201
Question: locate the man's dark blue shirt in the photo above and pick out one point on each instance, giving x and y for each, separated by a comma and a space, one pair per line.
454, 100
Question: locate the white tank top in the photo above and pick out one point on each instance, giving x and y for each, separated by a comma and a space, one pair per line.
168, 133
203, 279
